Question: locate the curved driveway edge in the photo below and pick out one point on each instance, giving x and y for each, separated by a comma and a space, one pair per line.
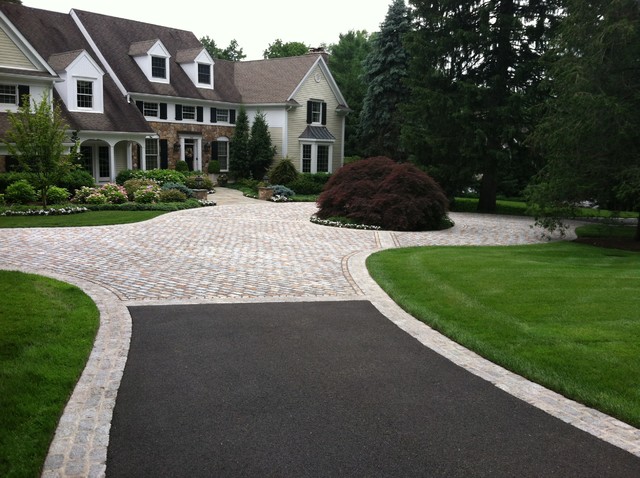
114, 266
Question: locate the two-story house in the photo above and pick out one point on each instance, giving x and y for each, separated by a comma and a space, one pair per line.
138, 95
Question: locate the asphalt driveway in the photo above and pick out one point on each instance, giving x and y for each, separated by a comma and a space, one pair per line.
320, 389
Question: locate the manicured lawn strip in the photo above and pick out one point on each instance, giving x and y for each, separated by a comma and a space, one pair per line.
90, 218
606, 230
47, 329
564, 315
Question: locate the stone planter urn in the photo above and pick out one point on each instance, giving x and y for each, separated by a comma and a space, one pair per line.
265, 193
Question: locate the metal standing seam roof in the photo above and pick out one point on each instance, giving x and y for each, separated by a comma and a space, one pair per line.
318, 133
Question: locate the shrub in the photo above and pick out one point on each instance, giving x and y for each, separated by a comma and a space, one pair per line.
147, 194
171, 195
114, 193
213, 167
2, 203
180, 187
182, 166
20, 192
124, 176
82, 194
133, 185
76, 179
380, 192
191, 183
280, 190
96, 198
309, 183
160, 176
11, 177
56, 195
283, 173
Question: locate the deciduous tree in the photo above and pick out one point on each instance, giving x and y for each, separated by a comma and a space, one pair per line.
280, 49
36, 138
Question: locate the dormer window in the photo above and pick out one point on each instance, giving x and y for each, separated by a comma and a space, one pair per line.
204, 74
85, 94
159, 67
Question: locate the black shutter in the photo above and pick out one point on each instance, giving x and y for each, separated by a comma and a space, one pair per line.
163, 111
22, 91
178, 112
214, 115
140, 105
324, 113
164, 154
232, 116
214, 150
200, 114
309, 108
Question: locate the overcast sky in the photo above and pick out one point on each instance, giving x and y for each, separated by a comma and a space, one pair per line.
253, 23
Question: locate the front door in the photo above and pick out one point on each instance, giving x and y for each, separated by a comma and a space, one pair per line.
190, 152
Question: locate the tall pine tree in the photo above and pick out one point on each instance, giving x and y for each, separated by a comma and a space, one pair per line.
384, 72
474, 78
239, 163
261, 149
590, 133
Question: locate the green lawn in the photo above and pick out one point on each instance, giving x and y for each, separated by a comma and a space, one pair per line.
564, 315
47, 329
90, 218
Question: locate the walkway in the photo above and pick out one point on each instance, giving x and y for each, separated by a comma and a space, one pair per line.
241, 251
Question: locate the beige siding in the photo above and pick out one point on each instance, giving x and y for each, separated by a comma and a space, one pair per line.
315, 90
276, 140
11, 56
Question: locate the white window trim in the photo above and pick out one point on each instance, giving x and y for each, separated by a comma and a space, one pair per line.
224, 139
93, 93
14, 105
314, 155
319, 122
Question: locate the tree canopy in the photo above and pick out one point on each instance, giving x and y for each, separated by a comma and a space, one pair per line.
233, 52
280, 49
36, 138
384, 72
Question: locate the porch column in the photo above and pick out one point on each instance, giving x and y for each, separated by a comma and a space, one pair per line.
143, 157
112, 162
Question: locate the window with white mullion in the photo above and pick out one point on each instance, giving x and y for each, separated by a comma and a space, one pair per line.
84, 94
8, 95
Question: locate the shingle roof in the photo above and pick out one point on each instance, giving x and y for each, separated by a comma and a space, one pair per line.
52, 34
60, 61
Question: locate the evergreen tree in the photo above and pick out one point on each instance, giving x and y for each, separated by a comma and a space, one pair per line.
384, 72
239, 161
346, 63
261, 150
590, 133
474, 80
36, 138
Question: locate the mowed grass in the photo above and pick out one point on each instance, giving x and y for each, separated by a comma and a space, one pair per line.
47, 329
90, 218
564, 315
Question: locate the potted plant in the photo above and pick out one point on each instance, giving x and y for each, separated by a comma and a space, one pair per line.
222, 180
213, 169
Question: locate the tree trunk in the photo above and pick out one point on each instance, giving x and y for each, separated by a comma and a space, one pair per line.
637, 238
489, 188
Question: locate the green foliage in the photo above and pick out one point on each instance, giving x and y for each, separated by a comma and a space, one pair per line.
20, 192
182, 166
346, 64
106, 194
280, 49
261, 150
75, 179
384, 72
133, 185
11, 177
138, 206
47, 329
160, 176
213, 167
36, 138
180, 187
309, 183
283, 173
283, 191
589, 132
147, 194
192, 183
233, 52
171, 195
239, 160
56, 195
474, 81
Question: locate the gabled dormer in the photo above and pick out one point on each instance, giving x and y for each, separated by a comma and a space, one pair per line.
82, 88
153, 59
198, 65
